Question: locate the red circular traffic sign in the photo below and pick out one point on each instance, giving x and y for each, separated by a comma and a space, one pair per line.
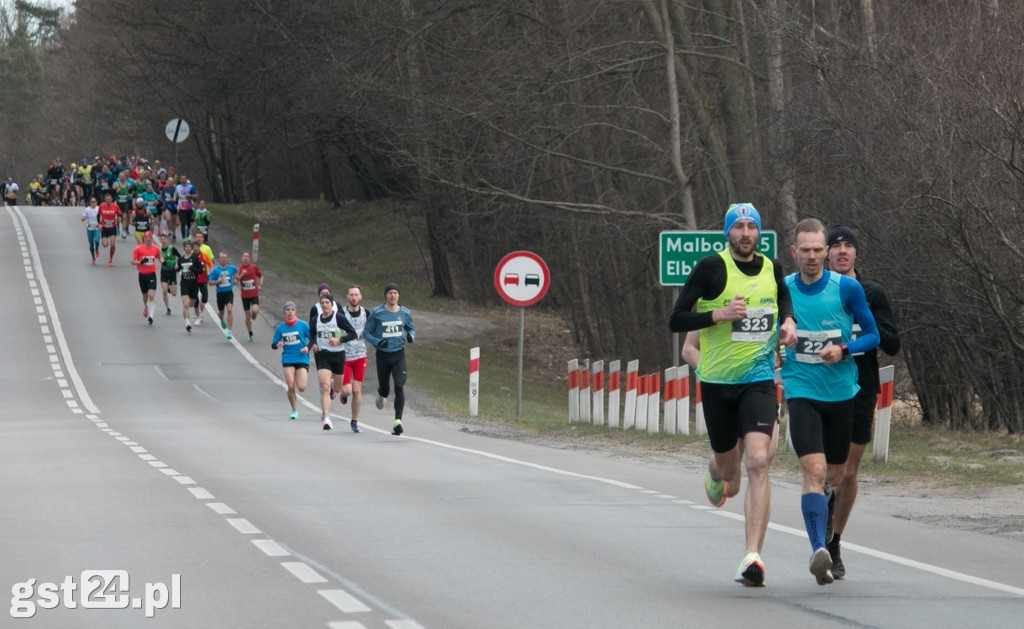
522, 278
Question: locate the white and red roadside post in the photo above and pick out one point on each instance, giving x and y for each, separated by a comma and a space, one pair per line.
574, 391
641, 402
780, 397
255, 242
653, 401
614, 377
702, 428
883, 414
597, 390
682, 395
584, 380
670, 400
629, 415
474, 381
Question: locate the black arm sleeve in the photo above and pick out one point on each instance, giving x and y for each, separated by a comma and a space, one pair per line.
707, 281
885, 321
350, 332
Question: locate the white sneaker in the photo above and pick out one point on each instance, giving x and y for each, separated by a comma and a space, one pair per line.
328, 425
821, 566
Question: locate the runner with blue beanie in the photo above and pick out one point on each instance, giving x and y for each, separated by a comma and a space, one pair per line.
739, 301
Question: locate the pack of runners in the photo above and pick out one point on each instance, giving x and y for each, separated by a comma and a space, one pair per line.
154, 204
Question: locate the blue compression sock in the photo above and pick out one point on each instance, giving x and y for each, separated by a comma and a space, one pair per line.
815, 510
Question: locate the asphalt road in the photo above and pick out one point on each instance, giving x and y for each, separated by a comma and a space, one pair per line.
167, 461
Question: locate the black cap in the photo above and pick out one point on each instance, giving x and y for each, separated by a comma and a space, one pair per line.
390, 287
842, 233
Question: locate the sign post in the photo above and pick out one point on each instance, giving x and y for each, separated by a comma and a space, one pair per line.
522, 279
177, 132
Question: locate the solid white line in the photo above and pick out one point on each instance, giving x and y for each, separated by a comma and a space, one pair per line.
344, 601
58, 332
903, 561
303, 572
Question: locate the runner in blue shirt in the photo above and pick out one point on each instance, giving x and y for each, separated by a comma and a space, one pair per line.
388, 328
223, 277
820, 378
293, 335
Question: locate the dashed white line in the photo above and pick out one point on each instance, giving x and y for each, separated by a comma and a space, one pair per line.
270, 548
243, 526
221, 508
303, 572
344, 601
200, 493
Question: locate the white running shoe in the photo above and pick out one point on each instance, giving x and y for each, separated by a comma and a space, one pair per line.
821, 566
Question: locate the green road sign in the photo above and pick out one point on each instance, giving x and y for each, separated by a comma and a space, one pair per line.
680, 251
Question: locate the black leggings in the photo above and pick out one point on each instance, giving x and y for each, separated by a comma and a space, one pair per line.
392, 365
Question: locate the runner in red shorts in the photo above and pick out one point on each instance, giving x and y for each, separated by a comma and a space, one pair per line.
355, 355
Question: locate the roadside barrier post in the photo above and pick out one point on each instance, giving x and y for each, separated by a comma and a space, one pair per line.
474, 381
629, 414
574, 391
702, 428
597, 387
682, 395
883, 414
641, 402
653, 401
614, 376
584, 380
670, 400
780, 400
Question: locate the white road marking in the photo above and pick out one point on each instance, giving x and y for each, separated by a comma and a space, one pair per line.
221, 508
344, 601
243, 526
303, 572
271, 548
200, 493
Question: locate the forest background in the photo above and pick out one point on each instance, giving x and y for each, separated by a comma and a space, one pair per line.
581, 129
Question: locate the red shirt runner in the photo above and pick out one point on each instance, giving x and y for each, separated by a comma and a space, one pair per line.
147, 257
108, 214
247, 276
